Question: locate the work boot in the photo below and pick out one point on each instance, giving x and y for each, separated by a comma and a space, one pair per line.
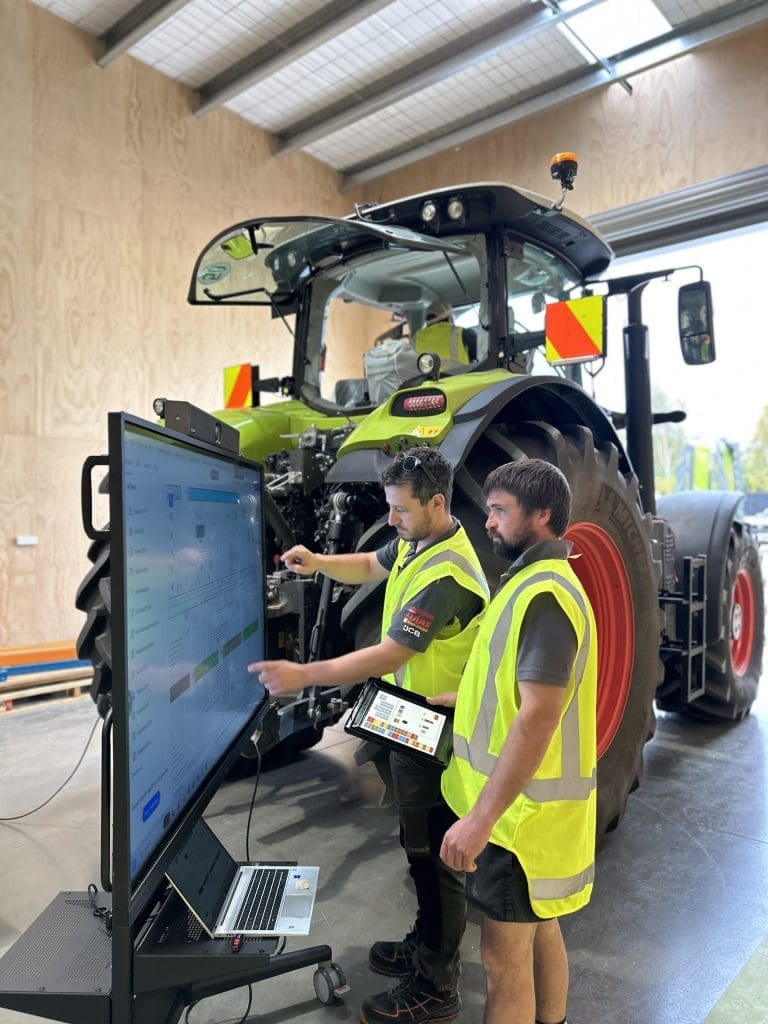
395, 959
413, 1001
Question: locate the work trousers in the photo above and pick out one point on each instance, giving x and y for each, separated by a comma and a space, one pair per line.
442, 908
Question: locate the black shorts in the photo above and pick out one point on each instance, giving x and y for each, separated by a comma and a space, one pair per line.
499, 888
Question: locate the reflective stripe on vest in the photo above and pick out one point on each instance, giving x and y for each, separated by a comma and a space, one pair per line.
572, 786
560, 888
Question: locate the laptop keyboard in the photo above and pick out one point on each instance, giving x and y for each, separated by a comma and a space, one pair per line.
262, 900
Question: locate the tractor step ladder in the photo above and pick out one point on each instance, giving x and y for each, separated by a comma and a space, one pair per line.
691, 615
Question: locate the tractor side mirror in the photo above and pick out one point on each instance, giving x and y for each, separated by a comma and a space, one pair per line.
694, 317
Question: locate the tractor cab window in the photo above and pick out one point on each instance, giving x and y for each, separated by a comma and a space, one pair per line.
370, 318
535, 278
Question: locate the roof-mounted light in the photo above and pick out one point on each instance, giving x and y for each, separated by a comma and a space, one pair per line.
429, 211
455, 208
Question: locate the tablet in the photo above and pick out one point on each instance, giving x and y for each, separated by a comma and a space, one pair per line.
402, 720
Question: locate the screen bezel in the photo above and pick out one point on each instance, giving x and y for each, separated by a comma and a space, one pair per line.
131, 897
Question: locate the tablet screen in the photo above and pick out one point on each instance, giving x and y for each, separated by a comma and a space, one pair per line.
400, 720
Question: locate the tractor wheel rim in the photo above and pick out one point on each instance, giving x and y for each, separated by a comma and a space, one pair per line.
742, 622
604, 577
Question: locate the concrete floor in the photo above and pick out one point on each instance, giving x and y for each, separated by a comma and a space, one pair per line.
674, 934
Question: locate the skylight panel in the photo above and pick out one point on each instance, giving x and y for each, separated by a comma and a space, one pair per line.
613, 27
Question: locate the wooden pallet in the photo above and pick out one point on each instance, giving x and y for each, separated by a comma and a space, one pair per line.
36, 684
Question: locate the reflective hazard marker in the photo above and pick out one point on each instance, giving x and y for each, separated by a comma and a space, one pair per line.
238, 392
575, 330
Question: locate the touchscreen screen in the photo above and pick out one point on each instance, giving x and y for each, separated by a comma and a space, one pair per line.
398, 719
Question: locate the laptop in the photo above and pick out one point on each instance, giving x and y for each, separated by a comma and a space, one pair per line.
228, 898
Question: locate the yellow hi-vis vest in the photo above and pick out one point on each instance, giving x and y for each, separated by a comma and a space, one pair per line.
550, 826
438, 668
446, 340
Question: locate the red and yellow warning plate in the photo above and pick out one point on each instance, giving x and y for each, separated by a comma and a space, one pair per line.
575, 330
238, 392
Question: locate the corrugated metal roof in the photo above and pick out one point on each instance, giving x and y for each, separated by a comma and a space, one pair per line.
369, 85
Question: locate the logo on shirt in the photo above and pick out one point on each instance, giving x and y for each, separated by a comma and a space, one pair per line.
417, 620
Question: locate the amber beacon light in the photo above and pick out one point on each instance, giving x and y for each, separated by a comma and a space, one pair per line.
564, 168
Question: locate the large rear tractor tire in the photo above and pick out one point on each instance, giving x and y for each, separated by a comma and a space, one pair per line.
613, 537
734, 660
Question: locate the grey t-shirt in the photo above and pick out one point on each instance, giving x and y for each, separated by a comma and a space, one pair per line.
440, 603
547, 647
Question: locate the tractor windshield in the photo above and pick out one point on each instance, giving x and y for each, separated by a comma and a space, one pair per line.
372, 315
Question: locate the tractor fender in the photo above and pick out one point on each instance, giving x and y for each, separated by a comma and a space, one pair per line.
551, 399
702, 522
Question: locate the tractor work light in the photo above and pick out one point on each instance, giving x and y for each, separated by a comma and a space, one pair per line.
455, 208
429, 211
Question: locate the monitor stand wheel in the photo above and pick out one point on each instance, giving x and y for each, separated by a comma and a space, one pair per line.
330, 983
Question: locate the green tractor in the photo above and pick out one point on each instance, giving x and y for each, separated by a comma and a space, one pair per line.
426, 320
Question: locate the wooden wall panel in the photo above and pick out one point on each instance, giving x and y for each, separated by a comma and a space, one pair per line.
16, 77
17, 274
110, 186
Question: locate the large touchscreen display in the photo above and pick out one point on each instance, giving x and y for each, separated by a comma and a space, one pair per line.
194, 605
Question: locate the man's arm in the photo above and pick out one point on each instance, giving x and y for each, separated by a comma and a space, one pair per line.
522, 753
284, 677
358, 567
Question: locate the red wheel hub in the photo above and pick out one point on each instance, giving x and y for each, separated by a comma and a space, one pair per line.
603, 575
742, 627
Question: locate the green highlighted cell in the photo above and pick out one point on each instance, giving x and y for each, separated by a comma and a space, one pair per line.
205, 666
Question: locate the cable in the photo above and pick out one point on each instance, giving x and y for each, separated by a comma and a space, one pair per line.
103, 912
242, 1019
253, 801
34, 810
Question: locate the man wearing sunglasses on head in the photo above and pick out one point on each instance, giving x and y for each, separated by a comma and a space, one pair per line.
435, 591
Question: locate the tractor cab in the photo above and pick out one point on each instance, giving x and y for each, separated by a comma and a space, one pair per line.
463, 276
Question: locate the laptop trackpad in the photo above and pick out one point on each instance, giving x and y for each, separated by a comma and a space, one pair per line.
297, 906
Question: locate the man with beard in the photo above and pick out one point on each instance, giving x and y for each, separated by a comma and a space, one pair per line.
435, 591
520, 786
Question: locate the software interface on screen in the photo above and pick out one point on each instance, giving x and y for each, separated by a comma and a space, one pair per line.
194, 620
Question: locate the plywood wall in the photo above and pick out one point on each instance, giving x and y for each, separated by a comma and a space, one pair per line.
699, 117
109, 186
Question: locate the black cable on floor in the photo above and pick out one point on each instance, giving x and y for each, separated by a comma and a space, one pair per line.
26, 814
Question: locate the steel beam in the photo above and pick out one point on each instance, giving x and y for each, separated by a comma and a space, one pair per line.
449, 60
133, 26
330, 21
737, 17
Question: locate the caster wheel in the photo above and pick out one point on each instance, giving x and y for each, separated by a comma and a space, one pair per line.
329, 983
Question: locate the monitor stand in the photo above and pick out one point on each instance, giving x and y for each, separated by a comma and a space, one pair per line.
61, 967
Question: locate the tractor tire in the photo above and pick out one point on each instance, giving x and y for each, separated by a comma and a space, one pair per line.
618, 571
734, 661
94, 642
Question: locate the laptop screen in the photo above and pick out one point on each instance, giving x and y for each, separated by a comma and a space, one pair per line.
194, 618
